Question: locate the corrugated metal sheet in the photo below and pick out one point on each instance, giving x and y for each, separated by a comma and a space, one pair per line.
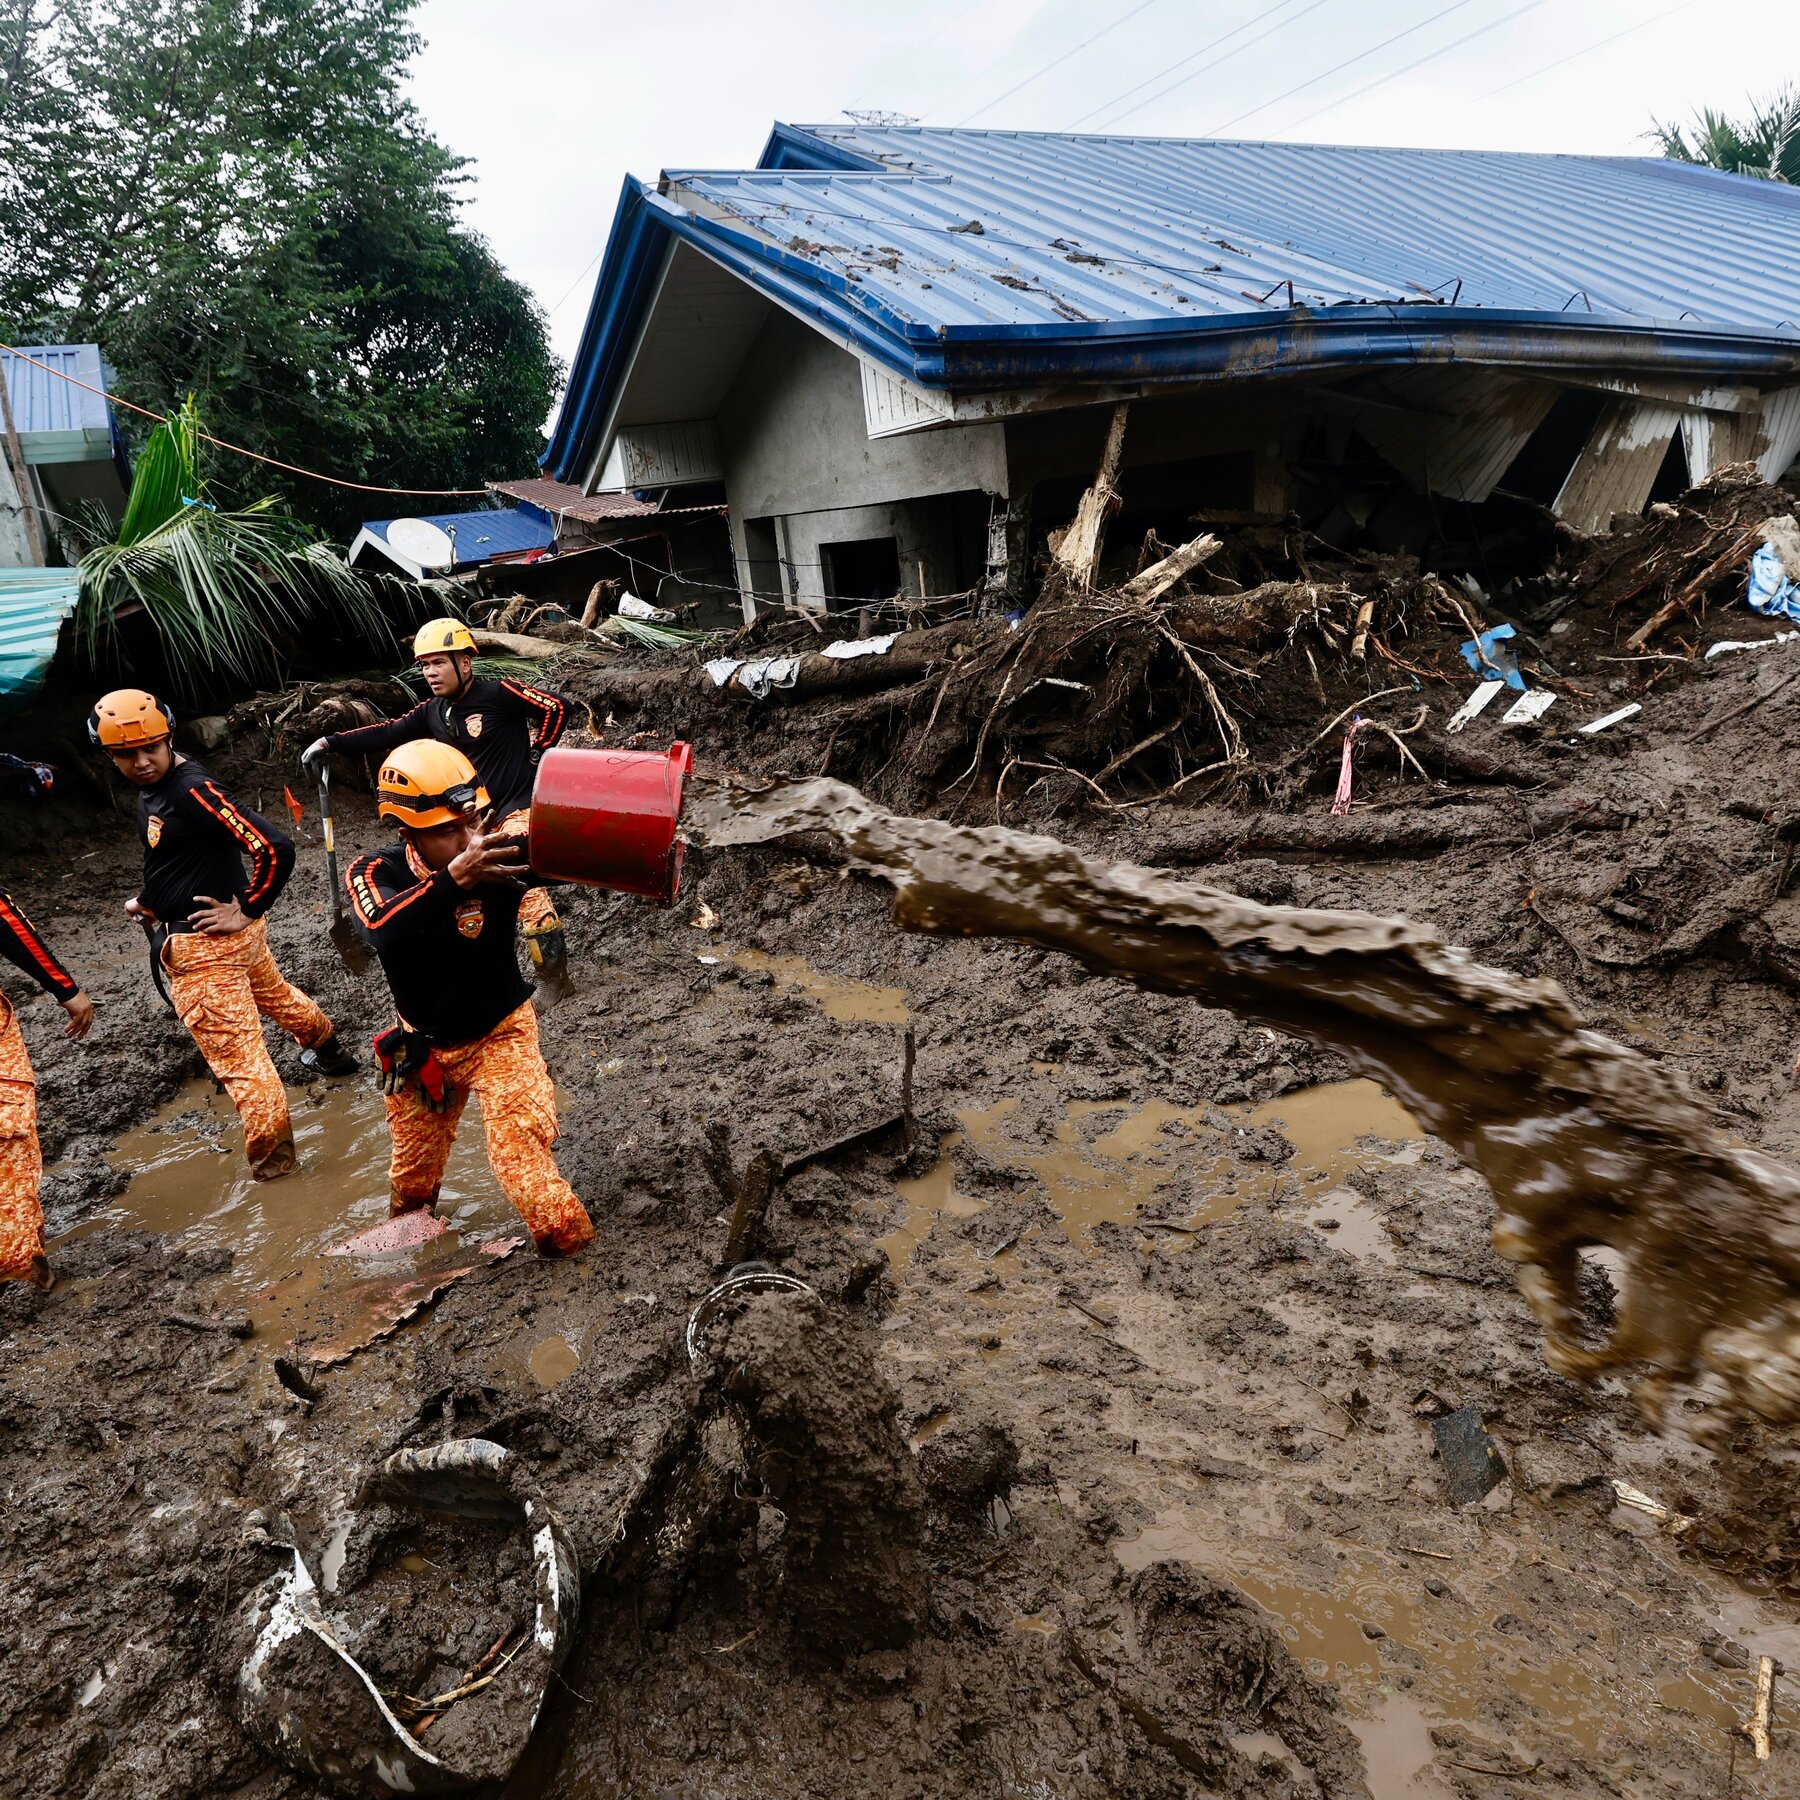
1181, 227
483, 535
564, 500
977, 261
33, 605
45, 407
1618, 466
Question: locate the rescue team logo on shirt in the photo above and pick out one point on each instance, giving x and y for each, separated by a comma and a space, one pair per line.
473, 723
469, 918
153, 830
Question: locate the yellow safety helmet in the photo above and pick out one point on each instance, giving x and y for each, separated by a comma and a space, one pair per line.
425, 783
442, 637
127, 717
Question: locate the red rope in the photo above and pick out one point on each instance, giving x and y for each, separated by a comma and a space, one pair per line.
361, 487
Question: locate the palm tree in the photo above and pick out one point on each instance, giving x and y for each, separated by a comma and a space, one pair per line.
223, 591
1766, 144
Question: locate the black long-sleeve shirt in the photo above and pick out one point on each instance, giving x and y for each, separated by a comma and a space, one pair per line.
195, 839
447, 953
21, 945
502, 726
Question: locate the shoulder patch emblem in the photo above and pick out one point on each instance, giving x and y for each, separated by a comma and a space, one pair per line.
469, 918
474, 724
153, 830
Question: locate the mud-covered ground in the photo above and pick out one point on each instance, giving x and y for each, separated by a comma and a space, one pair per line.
1134, 1359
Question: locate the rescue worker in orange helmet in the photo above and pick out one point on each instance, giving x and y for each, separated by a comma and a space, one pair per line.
502, 726
22, 1255
205, 920
440, 909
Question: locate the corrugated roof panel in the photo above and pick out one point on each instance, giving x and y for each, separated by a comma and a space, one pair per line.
43, 402
33, 605
1186, 226
482, 535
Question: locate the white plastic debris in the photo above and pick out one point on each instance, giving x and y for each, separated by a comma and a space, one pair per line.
631, 607
1471, 707
845, 648
760, 679
722, 668
1768, 643
1639, 1501
1612, 718
1528, 707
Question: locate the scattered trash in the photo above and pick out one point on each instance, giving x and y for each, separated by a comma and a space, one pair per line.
1639, 1501
737, 1285
382, 1307
761, 678
1612, 718
1341, 802
704, 919
1476, 703
710, 961
1774, 589
845, 648
1473, 1465
406, 1232
1530, 706
722, 668
1727, 645
1491, 656
308, 1701
631, 607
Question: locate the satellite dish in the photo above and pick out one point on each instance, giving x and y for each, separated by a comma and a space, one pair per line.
421, 542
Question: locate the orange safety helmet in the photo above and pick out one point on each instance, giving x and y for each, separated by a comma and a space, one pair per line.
443, 637
425, 783
128, 717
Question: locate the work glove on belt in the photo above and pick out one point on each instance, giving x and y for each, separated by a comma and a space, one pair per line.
405, 1058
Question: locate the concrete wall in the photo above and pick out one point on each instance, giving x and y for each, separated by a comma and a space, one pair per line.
15, 546
797, 450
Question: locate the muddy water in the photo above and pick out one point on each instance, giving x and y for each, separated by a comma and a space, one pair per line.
849, 1002
1108, 1178
1583, 1141
189, 1179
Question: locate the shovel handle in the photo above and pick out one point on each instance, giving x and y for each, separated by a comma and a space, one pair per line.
331, 866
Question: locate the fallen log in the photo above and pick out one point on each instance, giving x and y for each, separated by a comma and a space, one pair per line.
511, 643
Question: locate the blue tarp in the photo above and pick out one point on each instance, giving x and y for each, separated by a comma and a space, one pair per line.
33, 605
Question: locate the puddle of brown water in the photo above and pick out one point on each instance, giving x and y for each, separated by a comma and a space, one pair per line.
189, 1180
554, 1360
1107, 1179
849, 1002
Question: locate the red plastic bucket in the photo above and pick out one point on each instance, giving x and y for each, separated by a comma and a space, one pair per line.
608, 818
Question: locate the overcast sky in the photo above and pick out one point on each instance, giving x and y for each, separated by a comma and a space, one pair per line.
557, 100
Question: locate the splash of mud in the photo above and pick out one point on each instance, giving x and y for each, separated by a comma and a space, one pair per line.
1584, 1141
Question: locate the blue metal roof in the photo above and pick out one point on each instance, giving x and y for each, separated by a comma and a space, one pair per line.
56, 420
972, 260
33, 605
484, 533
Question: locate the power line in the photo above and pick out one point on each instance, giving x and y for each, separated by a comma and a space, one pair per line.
579, 279
1641, 25
1193, 56
1443, 12
1057, 62
1182, 81
925, 43
1419, 62
1005, 56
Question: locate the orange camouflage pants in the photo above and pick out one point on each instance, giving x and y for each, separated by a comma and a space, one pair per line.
505, 1071
223, 988
21, 1168
537, 911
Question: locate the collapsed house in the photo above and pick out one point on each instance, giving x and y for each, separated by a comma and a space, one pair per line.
901, 352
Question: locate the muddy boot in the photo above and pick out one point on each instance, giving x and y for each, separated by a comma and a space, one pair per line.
280, 1161
39, 1274
329, 1058
550, 958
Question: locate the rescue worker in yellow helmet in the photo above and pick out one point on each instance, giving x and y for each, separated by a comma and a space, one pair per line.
205, 918
440, 909
502, 726
22, 1255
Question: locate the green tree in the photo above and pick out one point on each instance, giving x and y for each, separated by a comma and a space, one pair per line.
1766, 144
234, 197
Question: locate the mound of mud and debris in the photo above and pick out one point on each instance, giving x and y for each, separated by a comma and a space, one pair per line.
1117, 1448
